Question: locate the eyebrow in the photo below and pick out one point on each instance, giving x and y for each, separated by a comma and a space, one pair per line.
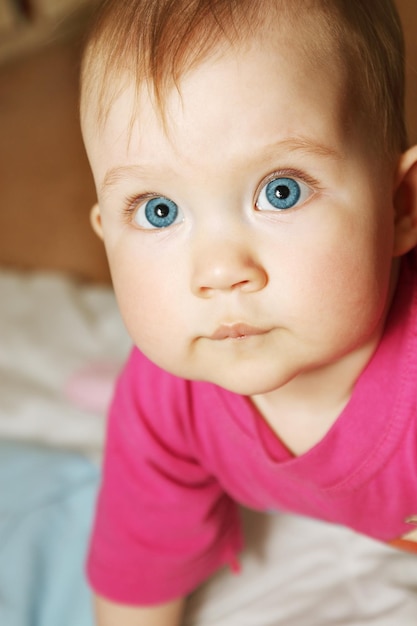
303, 144
117, 174
296, 144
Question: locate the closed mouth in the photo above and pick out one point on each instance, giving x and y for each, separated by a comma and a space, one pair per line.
236, 331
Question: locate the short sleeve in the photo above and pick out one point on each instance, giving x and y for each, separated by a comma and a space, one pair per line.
163, 523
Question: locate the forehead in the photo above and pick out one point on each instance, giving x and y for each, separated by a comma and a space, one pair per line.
106, 72
278, 82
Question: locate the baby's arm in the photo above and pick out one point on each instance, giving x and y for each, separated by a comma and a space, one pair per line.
110, 614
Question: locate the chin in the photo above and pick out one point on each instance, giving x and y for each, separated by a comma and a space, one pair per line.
251, 385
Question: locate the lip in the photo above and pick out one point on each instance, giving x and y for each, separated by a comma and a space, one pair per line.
236, 331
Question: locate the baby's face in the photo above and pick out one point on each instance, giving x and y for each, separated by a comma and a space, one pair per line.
253, 243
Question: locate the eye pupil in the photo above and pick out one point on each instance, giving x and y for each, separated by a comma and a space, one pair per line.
161, 210
282, 192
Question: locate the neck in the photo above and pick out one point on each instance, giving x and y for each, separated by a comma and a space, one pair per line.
302, 411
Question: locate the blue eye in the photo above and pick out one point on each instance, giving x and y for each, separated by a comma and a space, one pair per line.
159, 212
282, 193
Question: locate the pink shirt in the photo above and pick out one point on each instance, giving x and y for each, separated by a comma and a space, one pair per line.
180, 454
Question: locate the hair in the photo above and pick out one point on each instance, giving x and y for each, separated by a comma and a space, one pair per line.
155, 42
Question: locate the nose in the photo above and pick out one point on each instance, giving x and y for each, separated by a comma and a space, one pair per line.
225, 266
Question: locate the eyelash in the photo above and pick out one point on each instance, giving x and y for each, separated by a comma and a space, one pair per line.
291, 173
132, 202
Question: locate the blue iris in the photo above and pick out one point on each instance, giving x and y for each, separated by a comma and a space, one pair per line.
161, 212
283, 193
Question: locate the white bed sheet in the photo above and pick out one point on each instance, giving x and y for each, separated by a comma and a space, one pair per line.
52, 328
295, 572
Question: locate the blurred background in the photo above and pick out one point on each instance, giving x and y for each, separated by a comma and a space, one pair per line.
45, 184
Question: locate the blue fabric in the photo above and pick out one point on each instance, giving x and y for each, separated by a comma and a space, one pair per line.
46, 505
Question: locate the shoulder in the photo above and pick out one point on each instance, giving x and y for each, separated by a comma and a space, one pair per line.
148, 397
149, 387
146, 392
142, 374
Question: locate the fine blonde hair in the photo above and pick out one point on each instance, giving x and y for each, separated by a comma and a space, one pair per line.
157, 41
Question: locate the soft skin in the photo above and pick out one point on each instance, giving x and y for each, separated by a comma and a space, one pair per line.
315, 279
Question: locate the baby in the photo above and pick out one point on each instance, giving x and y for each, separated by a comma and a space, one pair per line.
257, 201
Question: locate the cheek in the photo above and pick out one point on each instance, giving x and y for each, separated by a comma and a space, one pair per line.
360, 283
145, 289
343, 269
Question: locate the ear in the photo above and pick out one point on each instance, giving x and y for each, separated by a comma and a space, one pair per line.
95, 219
405, 203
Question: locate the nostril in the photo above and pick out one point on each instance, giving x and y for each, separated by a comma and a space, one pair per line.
230, 270
205, 292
